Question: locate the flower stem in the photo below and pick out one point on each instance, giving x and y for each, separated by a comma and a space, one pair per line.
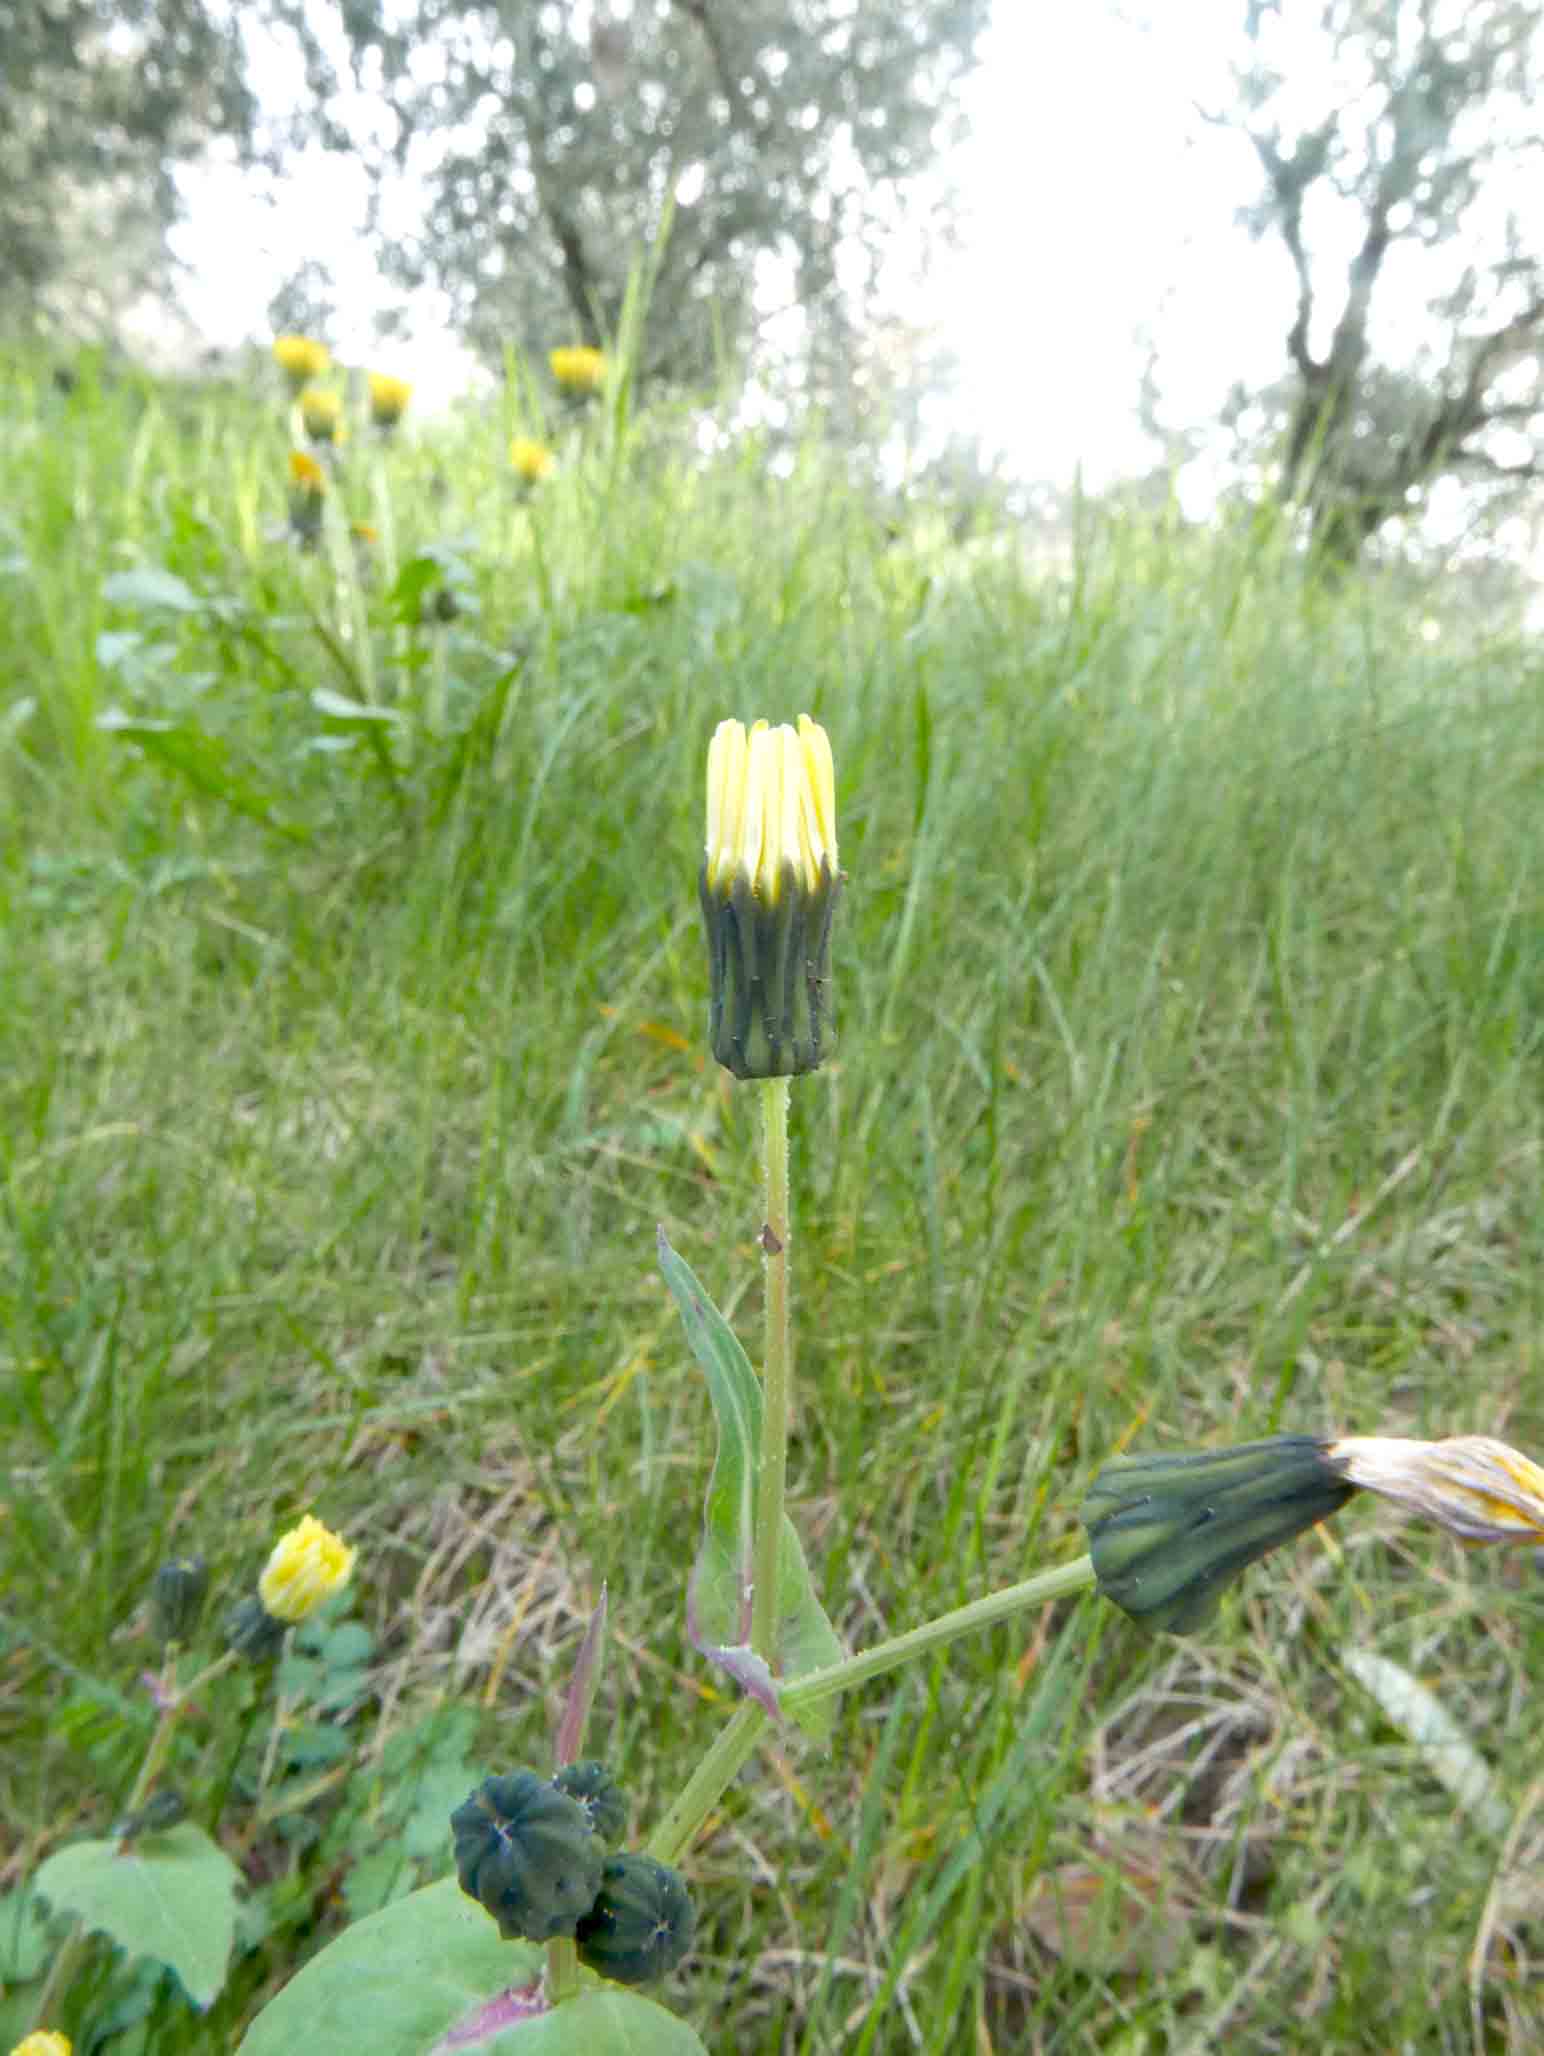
980, 1613
708, 1782
777, 1372
728, 1755
562, 1969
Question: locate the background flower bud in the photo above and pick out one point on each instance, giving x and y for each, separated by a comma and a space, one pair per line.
177, 1594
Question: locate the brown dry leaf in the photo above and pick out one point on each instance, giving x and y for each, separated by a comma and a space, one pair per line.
1110, 1918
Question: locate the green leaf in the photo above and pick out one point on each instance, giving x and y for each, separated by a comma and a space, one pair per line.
353, 713
719, 1597
24, 1945
398, 1982
171, 1897
147, 585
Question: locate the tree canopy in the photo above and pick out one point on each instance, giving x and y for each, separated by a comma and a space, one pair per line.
1400, 147
549, 138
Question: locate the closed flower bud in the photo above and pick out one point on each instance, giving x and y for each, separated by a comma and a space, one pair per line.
252, 1631
527, 1854
578, 370
154, 1817
301, 358
307, 1566
322, 413
388, 399
597, 1791
177, 1593
768, 888
1168, 1533
641, 1924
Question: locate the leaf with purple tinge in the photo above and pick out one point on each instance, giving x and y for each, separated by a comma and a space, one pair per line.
581, 1687
718, 1605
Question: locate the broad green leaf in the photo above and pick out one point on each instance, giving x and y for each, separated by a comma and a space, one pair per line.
203, 760
424, 1975
147, 585
720, 1593
170, 1896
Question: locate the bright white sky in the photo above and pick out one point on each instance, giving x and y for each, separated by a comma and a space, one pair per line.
1090, 215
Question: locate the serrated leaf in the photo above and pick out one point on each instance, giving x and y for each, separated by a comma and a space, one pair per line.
171, 1897
1445, 1749
427, 1972
148, 585
720, 1593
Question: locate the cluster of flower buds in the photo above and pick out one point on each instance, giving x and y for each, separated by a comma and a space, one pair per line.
533, 1852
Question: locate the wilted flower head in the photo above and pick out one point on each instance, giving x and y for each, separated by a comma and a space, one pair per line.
307, 1566
768, 888
1168, 1533
388, 399
43, 2042
322, 413
578, 369
530, 460
300, 358
1474, 1487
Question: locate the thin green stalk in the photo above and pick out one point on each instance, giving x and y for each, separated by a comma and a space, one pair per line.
562, 1969
777, 1372
708, 1782
729, 1754
964, 1620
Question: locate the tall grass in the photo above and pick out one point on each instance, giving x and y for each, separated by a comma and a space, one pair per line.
1190, 982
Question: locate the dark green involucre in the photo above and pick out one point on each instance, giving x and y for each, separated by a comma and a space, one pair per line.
598, 1792
527, 1853
640, 1926
1167, 1534
252, 1631
769, 974
177, 1594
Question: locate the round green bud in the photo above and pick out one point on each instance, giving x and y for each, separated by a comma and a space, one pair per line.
599, 1794
527, 1854
252, 1631
641, 1924
177, 1593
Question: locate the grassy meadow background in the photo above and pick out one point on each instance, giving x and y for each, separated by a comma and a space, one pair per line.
1190, 990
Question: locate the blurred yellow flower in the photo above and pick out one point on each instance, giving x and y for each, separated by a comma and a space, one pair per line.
300, 358
306, 475
322, 413
41, 2042
530, 460
308, 1565
1475, 1487
578, 369
388, 399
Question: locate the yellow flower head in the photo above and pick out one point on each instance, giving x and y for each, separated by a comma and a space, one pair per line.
43, 2042
530, 460
306, 475
771, 808
300, 358
308, 1565
1474, 1487
364, 534
768, 888
388, 399
578, 369
322, 413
